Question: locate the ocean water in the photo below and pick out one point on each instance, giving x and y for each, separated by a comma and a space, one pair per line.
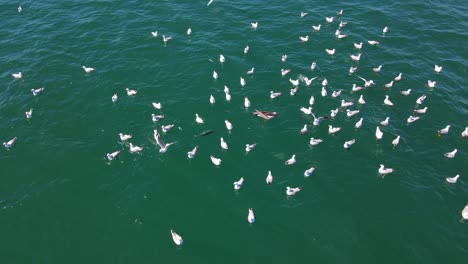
62, 202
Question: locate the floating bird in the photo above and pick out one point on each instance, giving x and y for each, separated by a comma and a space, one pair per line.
421, 111
323, 92
388, 85
113, 155
452, 179
316, 28
198, 119
421, 99
352, 69
114, 98
329, 19
338, 34
215, 75
156, 118
373, 42
134, 148
20, 9
130, 92
333, 130
38, 91
346, 104
284, 71
246, 102
304, 39
215, 161
355, 57
377, 69
451, 154
269, 178
303, 130
444, 131
367, 83
313, 66
251, 71
29, 113
250, 147
387, 101
292, 191
437, 68
291, 161
228, 125
189, 31
406, 93
361, 100
334, 112
154, 33
315, 141
358, 123
246, 49
293, 91
308, 81
339, 13
251, 216
349, 143
309, 172
10, 143
378, 133
385, 122
311, 100
303, 14
336, 93
156, 105
358, 45
324, 82
384, 30
356, 88
465, 212
238, 184
306, 111
162, 146
431, 84
383, 170
342, 24
464, 134
228, 97
191, 154
167, 128
254, 25
398, 77
124, 137
396, 141
318, 119
273, 95
284, 57
87, 69
224, 145
166, 39
330, 51
412, 119
350, 113
176, 238
242, 81
222, 59
18, 75
212, 99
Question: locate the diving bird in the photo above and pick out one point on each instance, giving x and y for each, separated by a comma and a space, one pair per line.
156, 105
87, 69
385, 122
113, 155
437, 68
228, 125
396, 141
315, 141
358, 123
124, 137
134, 148
309, 171
250, 147
224, 145
246, 102
215, 161
377, 69
10, 143
222, 59
378, 133
292, 191
452, 179
330, 51
412, 119
421, 99
358, 45
444, 131
37, 91
191, 154
406, 92
238, 184
361, 100
162, 146
212, 99
383, 170
269, 178
316, 28
155, 118
251, 216
464, 134
167, 128
18, 75
373, 42
349, 143
198, 119
451, 154
334, 112
130, 92
114, 98
254, 25
291, 161
176, 238
333, 130
421, 111
387, 101
29, 113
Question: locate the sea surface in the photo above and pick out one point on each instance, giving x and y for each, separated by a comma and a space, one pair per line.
62, 201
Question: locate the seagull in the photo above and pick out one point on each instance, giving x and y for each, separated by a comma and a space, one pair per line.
355, 57
124, 137
273, 95
228, 97
212, 99
348, 144
315, 141
224, 145
465, 212
361, 100
338, 34
324, 91
339, 13
254, 25
304, 39
388, 85
209, 2
87, 69
464, 134
303, 14
191, 154
329, 19
406, 93
421, 99
167, 128
221, 58
333, 130
350, 113
334, 112
238, 184
250, 147
324, 82
134, 148
431, 84
421, 111
291, 161
166, 39
330, 51
294, 82
176, 238
358, 45
313, 65
358, 123
246, 49
452, 179
367, 83
318, 119
114, 98
336, 93
387, 101
449, 155
385, 122
383, 170
303, 130
373, 42
9, 143
246, 102
292, 191
269, 178
284, 57
396, 141
311, 100
29, 113
154, 33
444, 131
398, 77
215, 161
215, 75
308, 81
437, 68
346, 104
20, 9
377, 69
130, 92
352, 69
378, 133
18, 75
342, 24
251, 216
284, 71
226, 89
113, 155
309, 172
228, 125
412, 119
156, 118
356, 88
156, 105
242, 81
198, 119
38, 91
306, 111
316, 28
189, 31
162, 145
251, 71
384, 30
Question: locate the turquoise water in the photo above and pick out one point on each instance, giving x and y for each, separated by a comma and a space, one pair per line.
62, 202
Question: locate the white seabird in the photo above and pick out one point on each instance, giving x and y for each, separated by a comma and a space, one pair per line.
292, 191
334, 112
444, 131
273, 95
228, 125
156, 105
224, 145
130, 92
451, 154
284, 57
388, 85
250, 147
134, 148
349, 143
465, 212
377, 69
352, 69
383, 170
242, 81
304, 38
269, 178
306, 111
361, 100
285, 71
176, 238
215, 161
191, 154
222, 59
167, 128
294, 82
378, 133
452, 179
29, 113
198, 119
246, 102
113, 155
358, 45
166, 39
356, 57
291, 161
316, 28
358, 123
315, 141
162, 146
238, 184
251, 216
37, 91
351, 113
313, 66
251, 71
330, 51
311, 100
431, 84
333, 130
212, 99
398, 77
155, 118
87, 69
421, 111
367, 83
215, 75
114, 98
254, 25
396, 141
154, 33
336, 93
437, 68
329, 19
387, 101
246, 49
385, 121
18, 75
346, 104
356, 88
384, 30
228, 96
309, 171
406, 93
464, 134
124, 137
303, 130
373, 42
412, 119
421, 99
323, 92
189, 31
10, 143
